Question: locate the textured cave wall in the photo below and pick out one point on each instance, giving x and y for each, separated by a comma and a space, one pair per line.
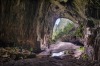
93, 23
89, 12
45, 22
26, 22
22, 21
17, 21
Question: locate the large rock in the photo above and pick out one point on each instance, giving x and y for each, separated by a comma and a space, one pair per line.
62, 49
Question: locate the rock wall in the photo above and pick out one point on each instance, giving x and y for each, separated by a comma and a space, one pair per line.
21, 21
17, 21
26, 22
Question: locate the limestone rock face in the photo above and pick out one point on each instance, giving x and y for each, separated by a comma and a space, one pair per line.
17, 21
23, 21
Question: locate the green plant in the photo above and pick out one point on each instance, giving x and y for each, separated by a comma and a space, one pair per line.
79, 31
65, 31
84, 56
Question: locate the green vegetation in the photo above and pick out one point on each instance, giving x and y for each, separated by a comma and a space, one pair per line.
78, 31
81, 48
65, 31
84, 56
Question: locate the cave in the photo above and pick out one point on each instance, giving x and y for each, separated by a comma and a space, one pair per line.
26, 29
63, 26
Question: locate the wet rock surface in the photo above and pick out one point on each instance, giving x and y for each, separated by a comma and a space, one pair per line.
66, 61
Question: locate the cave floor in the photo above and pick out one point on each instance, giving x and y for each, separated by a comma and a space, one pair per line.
67, 61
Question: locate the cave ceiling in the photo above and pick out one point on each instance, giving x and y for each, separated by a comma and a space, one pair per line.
67, 9
76, 10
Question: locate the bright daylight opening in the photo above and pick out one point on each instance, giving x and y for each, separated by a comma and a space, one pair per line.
65, 36
61, 27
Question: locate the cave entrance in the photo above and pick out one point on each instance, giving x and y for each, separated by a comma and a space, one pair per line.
66, 34
63, 27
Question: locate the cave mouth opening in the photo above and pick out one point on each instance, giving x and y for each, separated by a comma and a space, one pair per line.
63, 27
67, 33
